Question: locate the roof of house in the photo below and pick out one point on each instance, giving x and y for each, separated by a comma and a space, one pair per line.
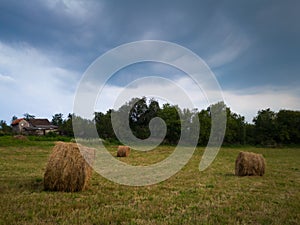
39, 122
36, 123
17, 121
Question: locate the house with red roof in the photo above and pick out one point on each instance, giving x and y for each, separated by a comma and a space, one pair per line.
33, 126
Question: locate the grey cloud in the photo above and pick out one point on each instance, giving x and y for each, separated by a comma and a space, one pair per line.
247, 43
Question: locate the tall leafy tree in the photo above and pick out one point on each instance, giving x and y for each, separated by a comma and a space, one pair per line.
4, 128
265, 127
85, 128
218, 122
57, 119
104, 125
235, 128
14, 118
67, 126
170, 114
269, 127
28, 116
205, 126
250, 137
288, 126
138, 117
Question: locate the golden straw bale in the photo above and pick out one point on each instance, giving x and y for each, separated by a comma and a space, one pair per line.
249, 164
123, 151
69, 168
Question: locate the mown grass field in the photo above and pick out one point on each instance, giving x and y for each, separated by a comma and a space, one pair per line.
214, 196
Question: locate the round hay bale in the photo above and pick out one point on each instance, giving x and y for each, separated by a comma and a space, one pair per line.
249, 164
68, 168
123, 151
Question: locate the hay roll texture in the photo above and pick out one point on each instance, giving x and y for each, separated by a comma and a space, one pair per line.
68, 168
249, 164
123, 151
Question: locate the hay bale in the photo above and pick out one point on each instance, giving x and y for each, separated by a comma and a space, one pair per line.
123, 151
20, 137
67, 170
249, 164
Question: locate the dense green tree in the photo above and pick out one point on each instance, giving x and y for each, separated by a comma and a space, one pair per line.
85, 128
153, 109
28, 116
205, 126
139, 118
14, 118
104, 125
217, 113
265, 127
4, 128
67, 127
170, 115
288, 126
269, 128
250, 137
189, 126
235, 128
57, 119
152, 112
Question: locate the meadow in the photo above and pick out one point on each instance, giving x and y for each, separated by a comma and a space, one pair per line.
214, 196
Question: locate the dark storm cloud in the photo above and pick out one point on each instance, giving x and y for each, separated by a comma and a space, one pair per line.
52, 26
249, 45
248, 40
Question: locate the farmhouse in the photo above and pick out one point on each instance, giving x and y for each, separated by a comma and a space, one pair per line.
33, 126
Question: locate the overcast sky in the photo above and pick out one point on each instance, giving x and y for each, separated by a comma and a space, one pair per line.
252, 47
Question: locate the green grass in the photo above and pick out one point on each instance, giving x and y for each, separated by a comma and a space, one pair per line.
214, 196
39, 141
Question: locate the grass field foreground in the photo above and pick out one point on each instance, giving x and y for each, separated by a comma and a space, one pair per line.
214, 196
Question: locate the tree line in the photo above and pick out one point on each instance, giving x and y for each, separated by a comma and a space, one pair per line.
268, 128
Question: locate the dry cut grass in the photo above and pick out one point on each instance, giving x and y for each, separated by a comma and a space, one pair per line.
215, 196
